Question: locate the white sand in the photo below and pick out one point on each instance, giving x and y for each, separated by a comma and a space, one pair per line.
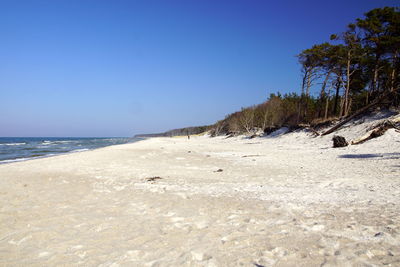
288, 200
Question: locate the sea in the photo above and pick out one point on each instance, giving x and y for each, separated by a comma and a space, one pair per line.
24, 148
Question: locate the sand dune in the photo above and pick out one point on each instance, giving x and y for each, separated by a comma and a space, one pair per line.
288, 200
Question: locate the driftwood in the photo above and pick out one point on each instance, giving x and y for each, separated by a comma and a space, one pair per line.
377, 131
305, 126
152, 179
313, 131
359, 112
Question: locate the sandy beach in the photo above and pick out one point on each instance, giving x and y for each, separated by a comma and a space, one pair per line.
289, 200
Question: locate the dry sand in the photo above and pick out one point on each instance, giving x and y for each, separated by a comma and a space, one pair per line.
287, 200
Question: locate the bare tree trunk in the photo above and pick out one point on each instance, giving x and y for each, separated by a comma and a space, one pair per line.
326, 108
323, 93
350, 100
327, 103
303, 85
341, 111
393, 74
374, 85
324, 83
308, 83
375, 79
338, 85
346, 94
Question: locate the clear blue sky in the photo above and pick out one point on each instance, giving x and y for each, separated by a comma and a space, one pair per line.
117, 68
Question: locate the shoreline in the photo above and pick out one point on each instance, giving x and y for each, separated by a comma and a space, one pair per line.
22, 159
282, 201
8, 161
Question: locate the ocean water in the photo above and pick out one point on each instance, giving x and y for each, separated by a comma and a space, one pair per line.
24, 148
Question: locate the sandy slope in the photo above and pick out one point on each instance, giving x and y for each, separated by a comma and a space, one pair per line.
284, 201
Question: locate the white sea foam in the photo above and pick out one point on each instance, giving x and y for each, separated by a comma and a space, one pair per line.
48, 147
80, 150
47, 142
13, 160
29, 158
13, 144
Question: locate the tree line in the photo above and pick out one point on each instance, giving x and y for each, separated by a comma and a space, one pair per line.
178, 132
357, 68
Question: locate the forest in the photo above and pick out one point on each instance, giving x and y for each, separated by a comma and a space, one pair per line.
355, 70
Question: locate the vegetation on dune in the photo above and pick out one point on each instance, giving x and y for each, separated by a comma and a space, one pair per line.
358, 69
179, 132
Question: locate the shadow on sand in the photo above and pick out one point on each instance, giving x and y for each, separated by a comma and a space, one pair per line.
368, 156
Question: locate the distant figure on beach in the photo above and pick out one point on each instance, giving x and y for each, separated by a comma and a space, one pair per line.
188, 135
